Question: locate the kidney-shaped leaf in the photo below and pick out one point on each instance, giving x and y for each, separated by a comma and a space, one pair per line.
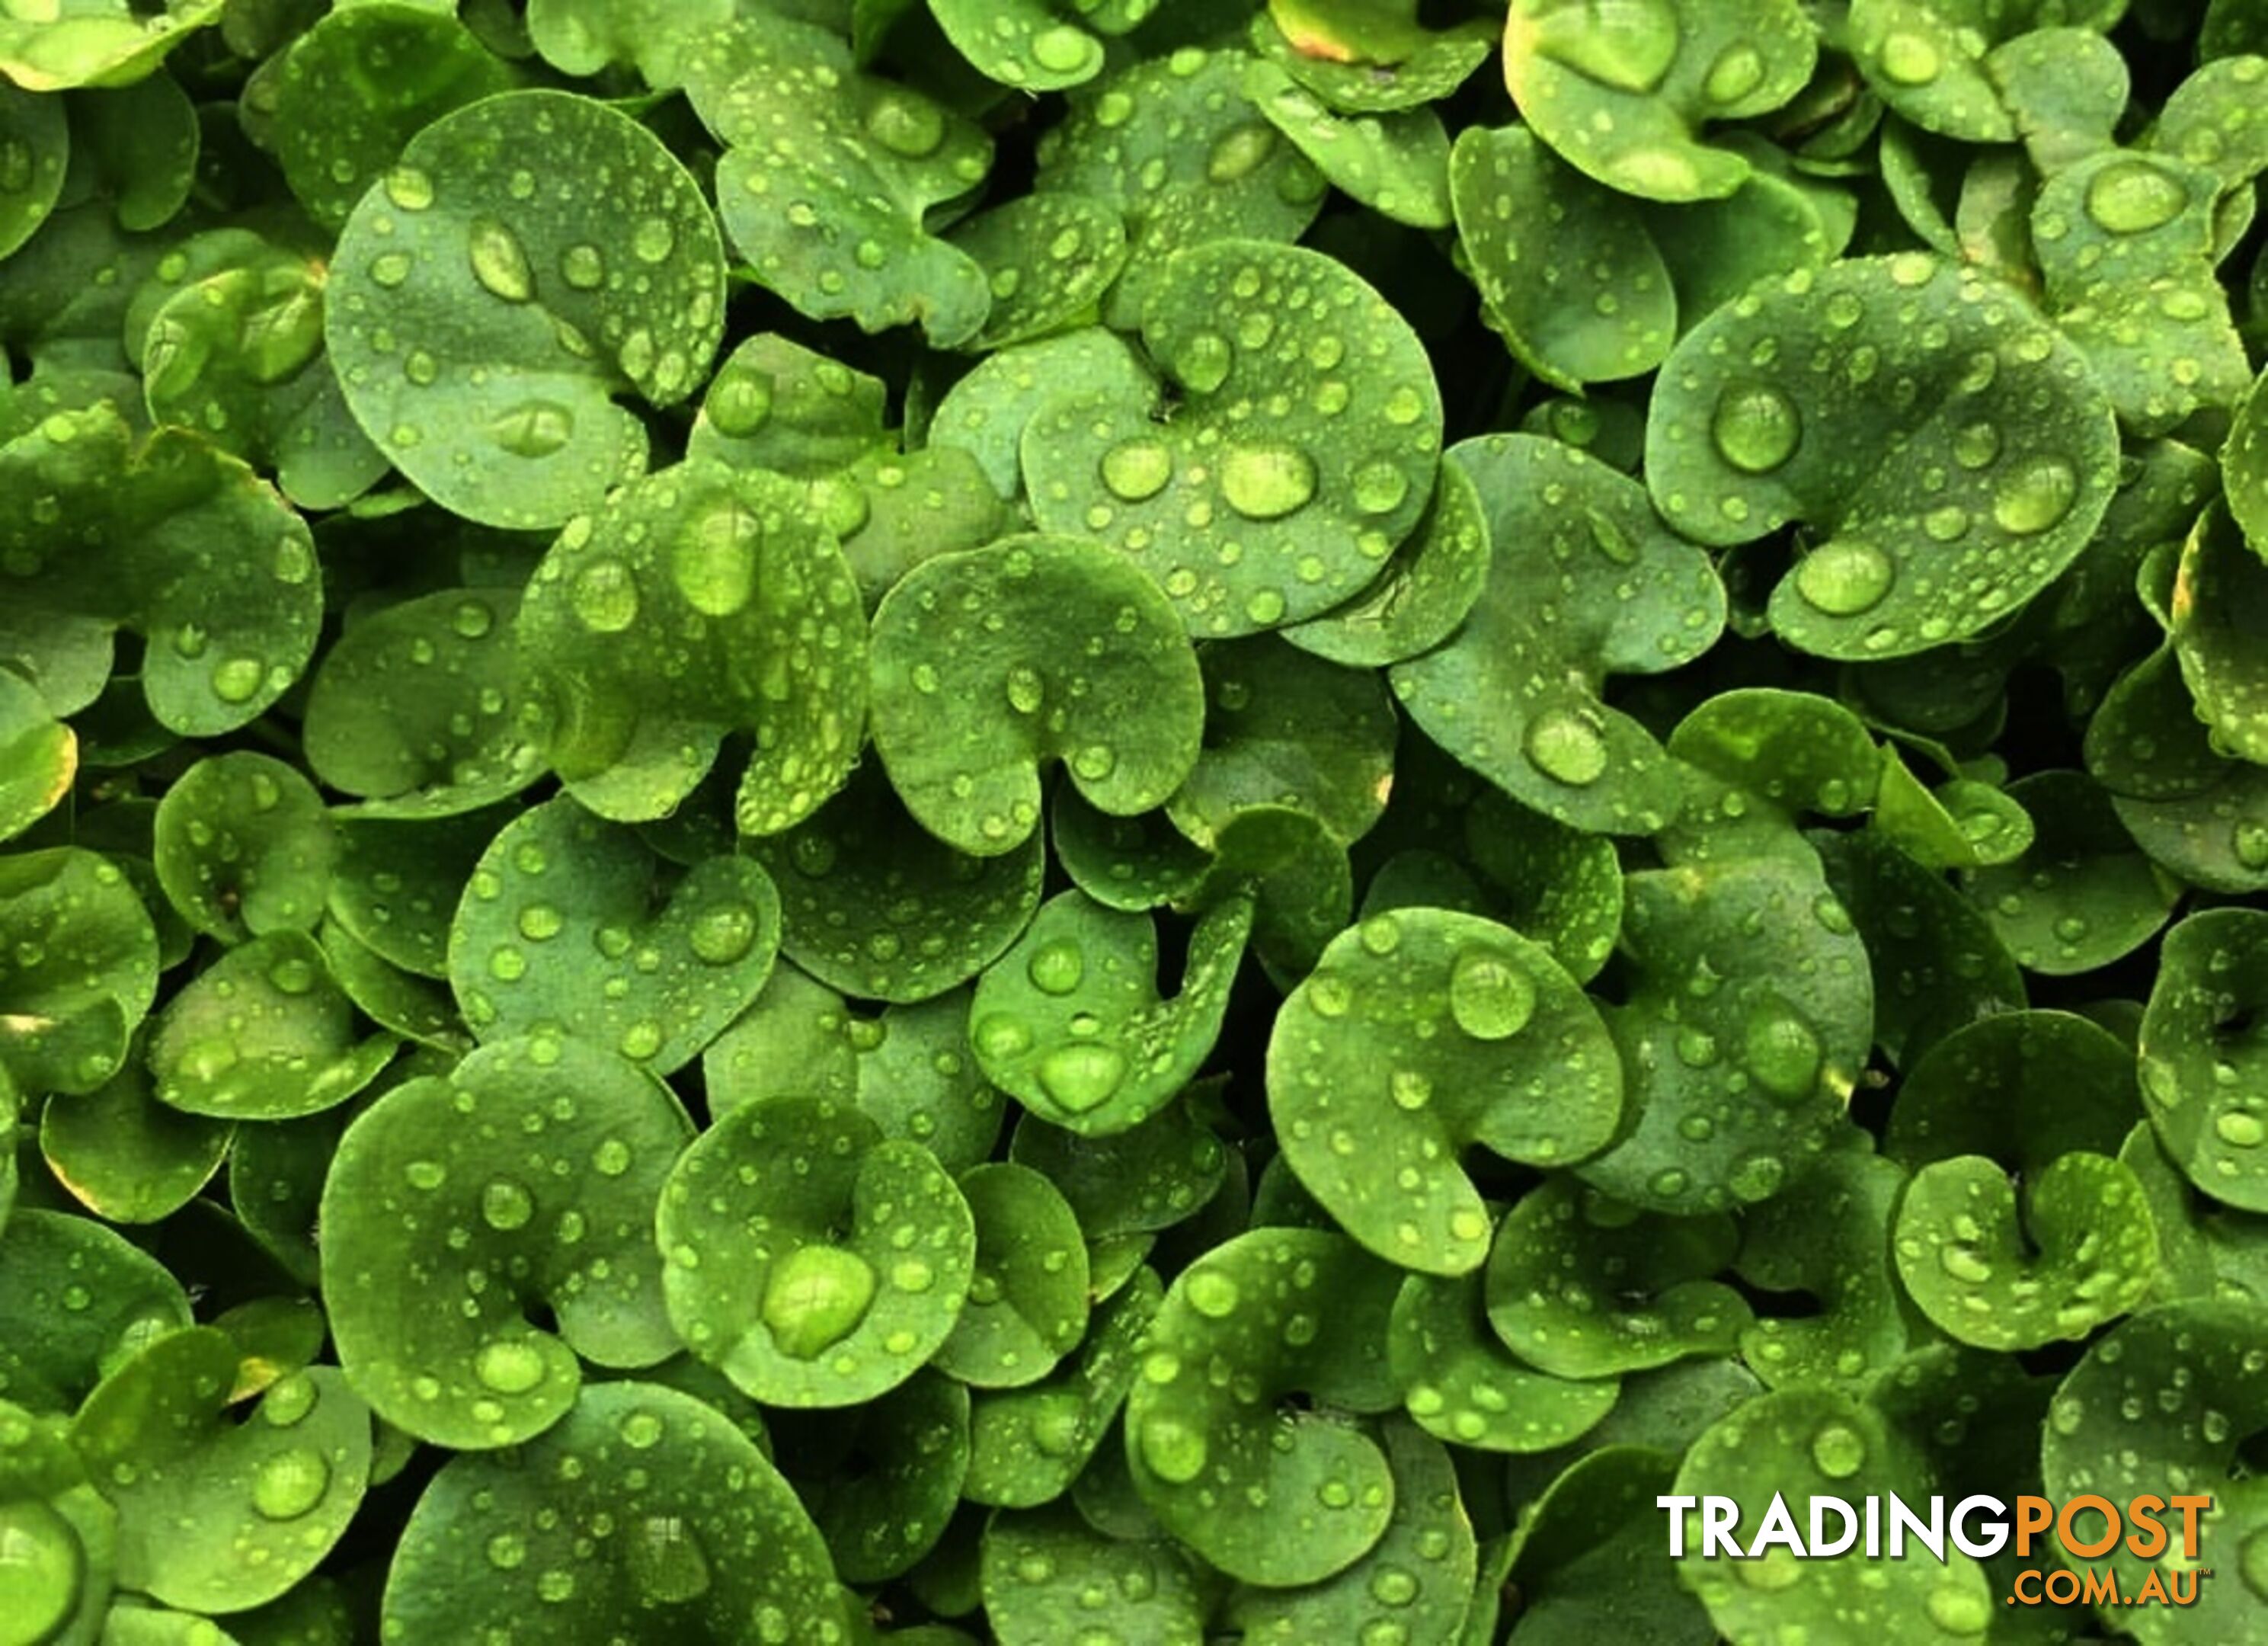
525, 1181
1948, 451
1303, 448
1420, 1033
991, 663
483, 323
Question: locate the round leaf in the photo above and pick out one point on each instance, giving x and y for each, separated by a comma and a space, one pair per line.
244, 847
1462, 1386
2203, 1053
79, 1301
79, 972
1027, 1297
264, 1033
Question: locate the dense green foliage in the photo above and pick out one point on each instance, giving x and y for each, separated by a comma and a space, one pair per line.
1123, 823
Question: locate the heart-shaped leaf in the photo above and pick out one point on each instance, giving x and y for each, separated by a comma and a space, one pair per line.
1069, 1022
812, 1260
698, 602
1827, 1239
1951, 456
1515, 693
702, 1536
215, 1515
568, 925
1048, 259
882, 1479
977, 685
1296, 1311
128, 1158
522, 1182
1303, 449
835, 221
2081, 896
1419, 1034
482, 327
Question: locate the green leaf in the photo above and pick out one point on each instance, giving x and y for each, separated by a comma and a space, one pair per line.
986, 412
1462, 1385
1625, 93
1302, 450
1397, 164
1027, 1297
1370, 57
1419, 1034
704, 1535
522, 1182
977, 684
1071, 1022
244, 847
812, 1260
1581, 1285
128, 1158
1147, 1178
2203, 1050
1179, 149
1806, 1444
835, 220
1425, 591
2221, 592
47, 47
1950, 457
80, 1301
214, 1515
188, 550
1562, 888
482, 330
1588, 1558
697, 602
1828, 1239
581, 37
39, 756
1048, 259
2081, 896
1749, 1018
264, 1033
396, 883
1298, 1312
2192, 1375
79, 973
424, 710
882, 1480
39, 138
874, 906
1026, 1445
63, 1533
1515, 694
1036, 45
568, 926
1042, 1564
776, 404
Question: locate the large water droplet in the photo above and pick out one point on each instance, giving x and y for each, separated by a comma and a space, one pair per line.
815, 1298
2239, 1129
290, 1483
652, 240
499, 262
1238, 152
1266, 482
1056, 967
723, 935
2134, 196
2035, 496
1565, 747
1080, 1077
906, 124
666, 1562
605, 596
715, 560
534, 428
1212, 1294
1756, 428
1065, 50
510, 1365
506, 1205
1839, 1450
1202, 363
1844, 577
1491, 998
1739, 69
1958, 1610
1908, 59
1783, 1055
1137, 470
1174, 1451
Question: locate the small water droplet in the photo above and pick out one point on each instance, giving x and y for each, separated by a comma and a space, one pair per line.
605, 596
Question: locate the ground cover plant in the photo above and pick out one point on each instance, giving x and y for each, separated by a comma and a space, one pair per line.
1125, 823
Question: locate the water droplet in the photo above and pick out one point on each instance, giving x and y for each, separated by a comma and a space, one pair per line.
605, 596
1056, 967
906, 124
238, 680
290, 1483
509, 1365
1963, 1264
1380, 488
1174, 1451
1266, 482
1238, 152
652, 240
1975, 445
1491, 998
506, 1205
409, 188
1411, 1090
2240, 1130
1756, 428
1739, 69
1958, 1610
1202, 363
815, 1298
1564, 746
724, 934
2134, 196
1137, 470
1844, 577
666, 1562
499, 263
714, 561
292, 976
1783, 1055
288, 1400
1026, 692
1908, 59
2250, 842
1212, 1294
1080, 1077
1838, 1450
534, 428
506, 1551
1065, 50
389, 268
2036, 495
